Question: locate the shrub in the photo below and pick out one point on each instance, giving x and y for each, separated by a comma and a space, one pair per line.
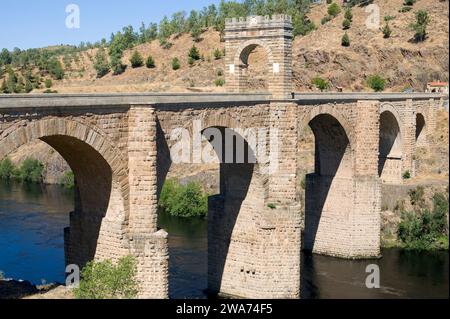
407, 175
116, 65
150, 63
320, 83
416, 197
30, 171
420, 26
346, 24
218, 54
345, 40
101, 64
68, 180
272, 206
194, 54
219, 82
348, 14
386, 31
388, 18
48, 83
376, 83
409, 2
136, 60
183, 200
334, 9
191, 61
104, 280
425, 230
175, 64
6, 169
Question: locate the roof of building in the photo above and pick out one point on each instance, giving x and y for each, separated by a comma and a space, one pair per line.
438, 84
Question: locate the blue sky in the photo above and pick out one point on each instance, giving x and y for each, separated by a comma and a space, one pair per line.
33, 24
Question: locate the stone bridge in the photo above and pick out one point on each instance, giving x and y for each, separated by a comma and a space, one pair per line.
119, 147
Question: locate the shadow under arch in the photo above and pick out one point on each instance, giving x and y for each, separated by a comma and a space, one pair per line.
84, 151
390, 144
224, 208
420, 129
333, 164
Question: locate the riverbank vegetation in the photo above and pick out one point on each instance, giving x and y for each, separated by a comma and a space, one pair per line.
105, 280
424, 226
183, 200
30, 171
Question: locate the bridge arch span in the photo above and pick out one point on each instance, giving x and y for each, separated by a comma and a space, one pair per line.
101, 178
328, 199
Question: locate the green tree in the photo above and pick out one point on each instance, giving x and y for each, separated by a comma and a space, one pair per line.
420, 26
7, 169
345, 40
136, 60
194, 53
175, 64
101, 63
346, 24
5, 57
30, 171
48, 83
116, 65
183, 200
150, 63
105, 280
376, 83
320, 83
348, 14
334, 9
56, 69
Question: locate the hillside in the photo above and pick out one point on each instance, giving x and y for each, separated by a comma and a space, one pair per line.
402, 62
398, 59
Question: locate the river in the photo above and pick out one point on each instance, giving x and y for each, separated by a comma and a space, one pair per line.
32, 219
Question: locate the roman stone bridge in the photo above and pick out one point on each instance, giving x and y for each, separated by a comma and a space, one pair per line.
119, 148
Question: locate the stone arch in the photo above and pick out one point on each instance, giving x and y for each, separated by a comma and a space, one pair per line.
232, 218
390, 146
101, 179
331, 111
327, 227
241, 62
421, 135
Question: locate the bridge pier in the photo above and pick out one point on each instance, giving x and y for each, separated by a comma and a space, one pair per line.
147, 244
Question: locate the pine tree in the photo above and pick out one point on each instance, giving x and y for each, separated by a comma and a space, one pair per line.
150, 63
345, 40
136, 60
101, 63
194, 53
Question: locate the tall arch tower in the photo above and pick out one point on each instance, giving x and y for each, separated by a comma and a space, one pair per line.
274, 36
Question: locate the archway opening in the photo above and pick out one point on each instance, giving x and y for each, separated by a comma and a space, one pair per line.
255, 69
420, 130
47, 207
390, 149
328, 198
199, 248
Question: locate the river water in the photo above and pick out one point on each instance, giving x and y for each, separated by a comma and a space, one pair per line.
32, 219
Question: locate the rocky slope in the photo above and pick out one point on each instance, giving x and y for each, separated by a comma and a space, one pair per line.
398, 59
